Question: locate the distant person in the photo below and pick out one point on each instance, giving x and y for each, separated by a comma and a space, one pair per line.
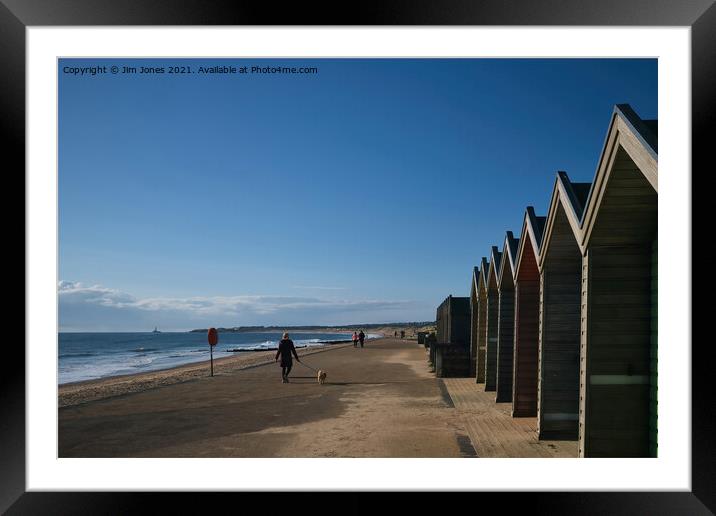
355, 340
285, 349
402, 334
361, 338
395, 333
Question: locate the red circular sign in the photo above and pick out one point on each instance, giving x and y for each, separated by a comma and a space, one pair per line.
213, 336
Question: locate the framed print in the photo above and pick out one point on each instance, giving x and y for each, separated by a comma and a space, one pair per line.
443, 222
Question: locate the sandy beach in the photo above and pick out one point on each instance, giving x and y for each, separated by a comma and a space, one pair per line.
92, 390
378, 401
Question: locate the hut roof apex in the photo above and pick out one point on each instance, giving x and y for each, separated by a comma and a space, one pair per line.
634, 139
509, 258
495, 260
571, 197
484, 269
644, 130
532, 229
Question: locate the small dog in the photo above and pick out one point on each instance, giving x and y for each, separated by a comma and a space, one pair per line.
321, 377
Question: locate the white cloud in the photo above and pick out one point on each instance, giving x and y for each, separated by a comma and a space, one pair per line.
318, 288
103, 309
77, 293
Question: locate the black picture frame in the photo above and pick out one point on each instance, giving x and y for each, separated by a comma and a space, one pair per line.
17, 15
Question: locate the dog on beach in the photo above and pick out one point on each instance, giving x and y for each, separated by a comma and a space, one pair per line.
321, 376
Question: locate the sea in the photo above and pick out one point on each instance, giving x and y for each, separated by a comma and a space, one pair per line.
89, 356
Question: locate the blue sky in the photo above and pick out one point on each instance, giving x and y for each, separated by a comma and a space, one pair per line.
363, 193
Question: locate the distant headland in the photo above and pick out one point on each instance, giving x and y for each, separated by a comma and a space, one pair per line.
347, 327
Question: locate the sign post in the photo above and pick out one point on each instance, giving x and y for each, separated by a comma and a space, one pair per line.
213, 337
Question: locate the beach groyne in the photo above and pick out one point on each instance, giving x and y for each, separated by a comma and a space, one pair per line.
322, 343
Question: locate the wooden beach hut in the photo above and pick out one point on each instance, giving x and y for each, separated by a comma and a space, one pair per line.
618, 377
527, 283
451, 351
481, 321
506, 319
492, 320
473, 320
560, 264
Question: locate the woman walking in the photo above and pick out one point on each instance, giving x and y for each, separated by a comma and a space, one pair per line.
285, 349
355, 340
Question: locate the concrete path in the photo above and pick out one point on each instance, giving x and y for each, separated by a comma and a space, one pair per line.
492, 429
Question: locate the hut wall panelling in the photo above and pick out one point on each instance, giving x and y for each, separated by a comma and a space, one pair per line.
460, 321
617, 342
527, 297
653, 392
481, 335
583, 351
491, 350
473, 333
526, 328
505, 344
560, 348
